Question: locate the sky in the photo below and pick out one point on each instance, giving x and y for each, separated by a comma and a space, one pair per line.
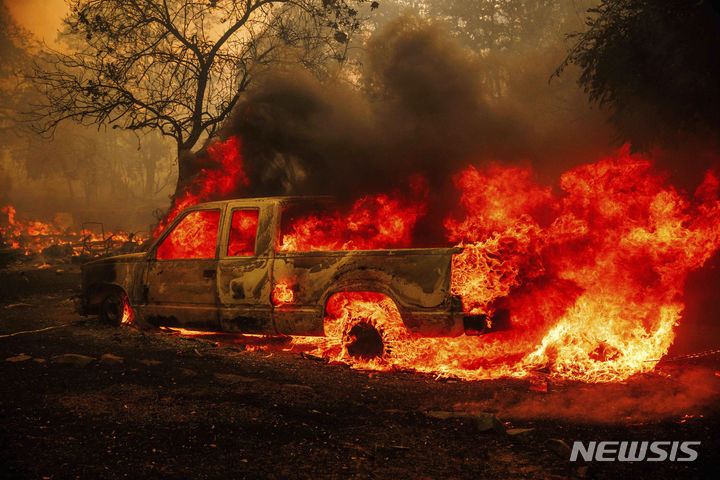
41, 17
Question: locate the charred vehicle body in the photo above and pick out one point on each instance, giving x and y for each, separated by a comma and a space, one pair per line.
217, 267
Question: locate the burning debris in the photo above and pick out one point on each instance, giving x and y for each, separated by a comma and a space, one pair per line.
53, 241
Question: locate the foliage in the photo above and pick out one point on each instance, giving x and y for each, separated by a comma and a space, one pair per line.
654, 66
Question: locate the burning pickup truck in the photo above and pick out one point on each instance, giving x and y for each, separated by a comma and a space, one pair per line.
219, 266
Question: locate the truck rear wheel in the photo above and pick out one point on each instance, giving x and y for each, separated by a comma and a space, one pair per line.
367, 324
363, 340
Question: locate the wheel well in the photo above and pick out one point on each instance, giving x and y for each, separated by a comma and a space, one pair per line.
97, 293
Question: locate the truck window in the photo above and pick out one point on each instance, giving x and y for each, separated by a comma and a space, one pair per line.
194, 237
243, 231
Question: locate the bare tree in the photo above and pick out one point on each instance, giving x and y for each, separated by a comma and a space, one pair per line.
179, 66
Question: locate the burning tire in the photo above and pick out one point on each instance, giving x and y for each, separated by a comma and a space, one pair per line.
364, 341
115, 309
367, 324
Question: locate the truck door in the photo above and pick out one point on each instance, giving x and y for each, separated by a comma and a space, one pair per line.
181, 279
245, 263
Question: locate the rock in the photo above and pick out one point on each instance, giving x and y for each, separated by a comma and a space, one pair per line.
558, 446
150, 363
302, 389
18, 358
186, 372
73, 359
484, 421
488, 422
232, 379
518, 431
110, 359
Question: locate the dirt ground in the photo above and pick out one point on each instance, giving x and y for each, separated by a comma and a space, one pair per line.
83, 400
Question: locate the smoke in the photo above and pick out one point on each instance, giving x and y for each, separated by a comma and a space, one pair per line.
5, 186
424, 107
688, 391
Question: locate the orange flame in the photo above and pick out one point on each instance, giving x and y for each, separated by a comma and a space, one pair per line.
593, 273
210, 184
33, 236
282, 294
374, 221
594, 277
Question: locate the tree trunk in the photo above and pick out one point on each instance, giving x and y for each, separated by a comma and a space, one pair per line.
188, 167
184, 172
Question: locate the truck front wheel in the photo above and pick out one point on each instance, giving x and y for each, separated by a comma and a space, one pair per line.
115, 308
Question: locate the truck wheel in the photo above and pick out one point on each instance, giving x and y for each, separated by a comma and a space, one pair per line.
115, 309
367, 324
363, 340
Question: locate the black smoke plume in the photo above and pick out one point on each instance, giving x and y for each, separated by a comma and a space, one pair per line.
423, 107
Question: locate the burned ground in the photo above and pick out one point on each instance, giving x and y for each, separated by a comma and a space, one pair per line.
166, 406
